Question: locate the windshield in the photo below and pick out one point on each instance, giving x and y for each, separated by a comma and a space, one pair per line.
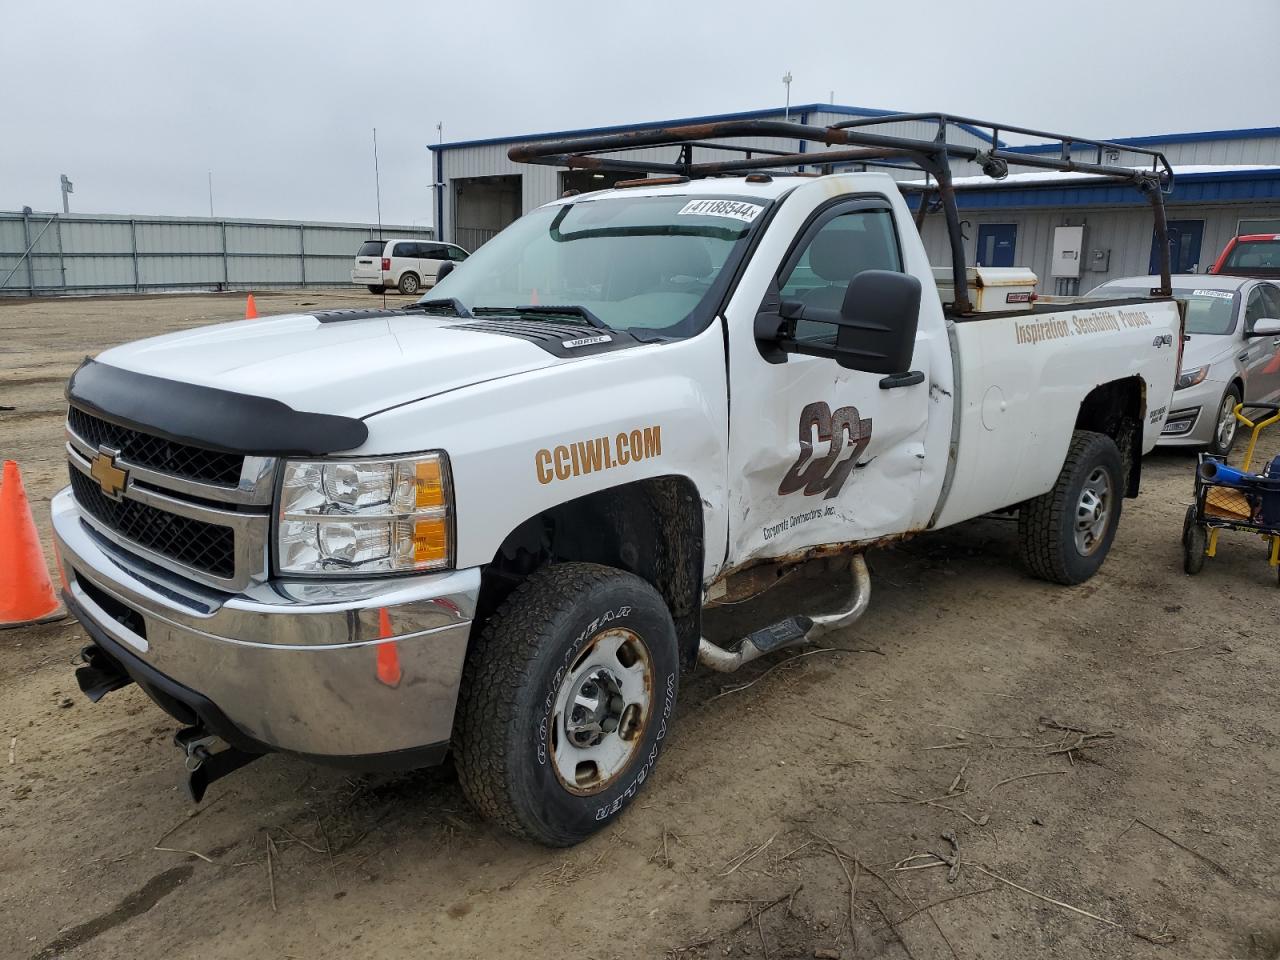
1208, 311
1255, 254
370, 248
636, 263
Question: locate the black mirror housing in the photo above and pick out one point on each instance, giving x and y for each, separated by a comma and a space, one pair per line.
876, 330
875, 327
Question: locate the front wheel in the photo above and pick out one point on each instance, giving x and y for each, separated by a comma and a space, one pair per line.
1225, 424
566, 699
1066, 533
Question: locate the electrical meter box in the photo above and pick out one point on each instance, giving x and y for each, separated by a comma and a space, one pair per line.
1068, 251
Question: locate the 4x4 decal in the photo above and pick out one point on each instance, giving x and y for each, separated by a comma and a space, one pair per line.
829, 473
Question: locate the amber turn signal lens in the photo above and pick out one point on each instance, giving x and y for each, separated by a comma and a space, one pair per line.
429, 486
430, 541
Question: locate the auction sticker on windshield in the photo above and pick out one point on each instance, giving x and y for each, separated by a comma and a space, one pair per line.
1220, 294
732, 209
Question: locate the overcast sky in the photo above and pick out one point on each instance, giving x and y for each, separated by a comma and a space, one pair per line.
136, 101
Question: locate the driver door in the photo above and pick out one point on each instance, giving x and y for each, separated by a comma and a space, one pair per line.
820, 453
1263, 363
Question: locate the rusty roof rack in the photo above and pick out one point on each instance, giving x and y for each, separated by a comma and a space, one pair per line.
860, 142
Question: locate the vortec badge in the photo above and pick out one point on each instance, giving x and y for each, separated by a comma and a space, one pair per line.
584, 341
110, 478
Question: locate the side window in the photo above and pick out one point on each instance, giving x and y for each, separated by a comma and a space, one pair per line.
1255, 309
434, 251
404, 250
1270, 301
841, 249
456, 253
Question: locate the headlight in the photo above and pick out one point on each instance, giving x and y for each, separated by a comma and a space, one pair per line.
1189, 378
365, 516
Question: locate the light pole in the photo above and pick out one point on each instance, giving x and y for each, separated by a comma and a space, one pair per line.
437, 186
786, 78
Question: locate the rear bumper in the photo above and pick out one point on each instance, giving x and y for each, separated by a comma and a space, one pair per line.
363, 674
371, 277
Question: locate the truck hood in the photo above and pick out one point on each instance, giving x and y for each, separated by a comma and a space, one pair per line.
352, 367
1205, 348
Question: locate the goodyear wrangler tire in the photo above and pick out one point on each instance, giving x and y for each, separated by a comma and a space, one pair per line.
1066, 533
566, 699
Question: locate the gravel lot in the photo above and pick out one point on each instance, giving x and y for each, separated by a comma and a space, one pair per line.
948, 709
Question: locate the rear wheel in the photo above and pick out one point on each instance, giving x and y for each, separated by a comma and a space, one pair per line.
565, 702
377, 289
1195, 539
1225, 424
1066, 533
409, 283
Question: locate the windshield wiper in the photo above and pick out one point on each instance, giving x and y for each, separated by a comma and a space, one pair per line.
549, 310
449, 305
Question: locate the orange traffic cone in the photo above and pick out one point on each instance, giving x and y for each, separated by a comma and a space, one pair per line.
26, 595
250, 309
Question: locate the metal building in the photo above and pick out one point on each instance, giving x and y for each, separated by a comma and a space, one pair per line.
58, 253
1227, 182
479, 190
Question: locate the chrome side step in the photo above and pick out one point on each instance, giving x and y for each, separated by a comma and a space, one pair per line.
791, 631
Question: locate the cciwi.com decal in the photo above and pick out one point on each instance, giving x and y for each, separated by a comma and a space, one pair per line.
846, 435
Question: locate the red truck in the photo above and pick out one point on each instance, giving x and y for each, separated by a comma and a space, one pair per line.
1254, 255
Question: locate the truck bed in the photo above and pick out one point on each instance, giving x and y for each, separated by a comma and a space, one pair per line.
1022, 379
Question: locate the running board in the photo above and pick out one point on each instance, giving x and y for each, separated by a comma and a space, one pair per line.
791, 631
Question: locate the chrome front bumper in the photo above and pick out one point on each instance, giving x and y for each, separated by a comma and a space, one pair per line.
336, 670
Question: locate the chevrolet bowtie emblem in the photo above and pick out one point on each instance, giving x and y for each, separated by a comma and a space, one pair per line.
110, 478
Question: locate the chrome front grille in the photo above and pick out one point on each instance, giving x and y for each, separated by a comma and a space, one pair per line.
197, 512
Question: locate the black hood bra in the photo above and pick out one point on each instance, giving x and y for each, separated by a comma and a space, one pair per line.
208, 417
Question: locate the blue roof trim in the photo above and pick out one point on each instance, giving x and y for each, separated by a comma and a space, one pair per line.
840, 108
1157, 139
1232, 186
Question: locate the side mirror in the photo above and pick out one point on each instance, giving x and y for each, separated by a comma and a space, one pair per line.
876, 331
1266, 327
875, 327
445, 269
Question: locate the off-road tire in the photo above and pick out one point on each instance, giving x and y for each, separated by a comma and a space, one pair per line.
1195, 538
514, 668
1232, 397
376, 289
409, 284
1046, 524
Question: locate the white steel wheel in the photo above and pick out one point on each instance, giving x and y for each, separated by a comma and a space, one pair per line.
602, 709
1093, 511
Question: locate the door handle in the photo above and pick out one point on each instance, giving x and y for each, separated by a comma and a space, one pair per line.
1243, 356
902, 380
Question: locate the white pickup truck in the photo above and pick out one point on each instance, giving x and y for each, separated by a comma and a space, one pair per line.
490, 522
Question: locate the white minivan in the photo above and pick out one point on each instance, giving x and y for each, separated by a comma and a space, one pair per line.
407, 265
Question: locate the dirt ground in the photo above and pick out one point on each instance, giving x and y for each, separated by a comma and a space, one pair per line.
1106, 758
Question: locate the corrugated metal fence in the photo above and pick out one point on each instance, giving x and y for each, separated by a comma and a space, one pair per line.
44, 254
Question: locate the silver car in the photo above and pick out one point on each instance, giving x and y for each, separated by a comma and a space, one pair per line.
1232, 353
